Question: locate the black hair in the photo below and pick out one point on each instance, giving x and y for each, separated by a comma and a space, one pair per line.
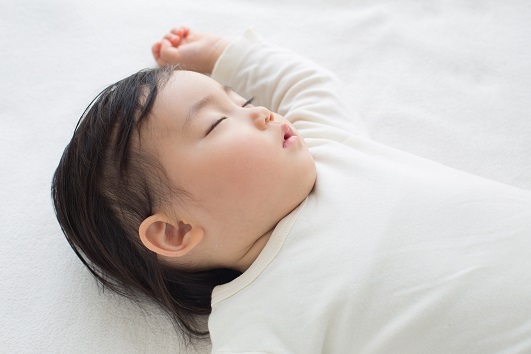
106, 185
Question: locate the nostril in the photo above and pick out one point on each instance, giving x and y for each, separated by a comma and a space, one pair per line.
269, 117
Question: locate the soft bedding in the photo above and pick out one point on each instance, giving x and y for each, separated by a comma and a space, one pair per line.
446, 80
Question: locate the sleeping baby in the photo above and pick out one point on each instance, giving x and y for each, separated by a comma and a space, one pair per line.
232, 182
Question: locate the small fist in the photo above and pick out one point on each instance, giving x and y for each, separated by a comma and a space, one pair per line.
194, 51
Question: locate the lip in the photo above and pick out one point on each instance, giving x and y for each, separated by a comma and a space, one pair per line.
287, 134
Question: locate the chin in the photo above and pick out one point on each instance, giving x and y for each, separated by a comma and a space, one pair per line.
312, 177
307, 179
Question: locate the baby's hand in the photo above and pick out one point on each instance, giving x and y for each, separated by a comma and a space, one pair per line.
195, 51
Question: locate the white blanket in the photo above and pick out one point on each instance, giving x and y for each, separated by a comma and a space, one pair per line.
447, 80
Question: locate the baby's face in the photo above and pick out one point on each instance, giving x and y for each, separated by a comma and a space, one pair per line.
245, 167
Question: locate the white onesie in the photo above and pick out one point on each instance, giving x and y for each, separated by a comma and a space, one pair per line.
390, 253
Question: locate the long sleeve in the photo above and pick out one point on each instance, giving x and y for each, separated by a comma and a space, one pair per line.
388, 253
286, 83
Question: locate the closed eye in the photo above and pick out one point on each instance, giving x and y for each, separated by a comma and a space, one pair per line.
249, 101
215, 124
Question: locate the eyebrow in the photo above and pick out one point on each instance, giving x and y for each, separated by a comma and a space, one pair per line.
199, 105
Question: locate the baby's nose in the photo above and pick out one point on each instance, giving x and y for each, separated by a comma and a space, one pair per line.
262, 116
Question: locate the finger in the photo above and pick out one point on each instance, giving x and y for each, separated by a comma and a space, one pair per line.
162, 62
181, 31
168, 52
174, 39
155, 49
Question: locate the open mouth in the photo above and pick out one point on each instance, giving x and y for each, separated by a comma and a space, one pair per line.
289, 137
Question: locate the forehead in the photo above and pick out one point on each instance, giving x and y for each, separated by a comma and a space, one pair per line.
189, 85
179, 94
182, 94
184, 88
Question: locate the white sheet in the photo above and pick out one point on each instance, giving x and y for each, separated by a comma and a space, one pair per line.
447, 80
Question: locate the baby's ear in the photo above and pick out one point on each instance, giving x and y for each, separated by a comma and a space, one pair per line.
167, 238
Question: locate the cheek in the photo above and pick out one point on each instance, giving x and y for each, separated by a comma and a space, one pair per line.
239, 168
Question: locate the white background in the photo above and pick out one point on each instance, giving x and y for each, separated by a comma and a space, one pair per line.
447, 80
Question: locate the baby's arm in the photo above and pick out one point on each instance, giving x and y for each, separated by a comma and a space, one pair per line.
284, 82
194, 51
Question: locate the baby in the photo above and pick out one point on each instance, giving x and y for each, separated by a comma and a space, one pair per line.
243, 167
287, 225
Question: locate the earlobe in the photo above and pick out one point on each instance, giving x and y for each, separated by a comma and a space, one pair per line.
161, 236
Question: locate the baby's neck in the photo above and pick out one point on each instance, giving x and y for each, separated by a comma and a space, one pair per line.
250, 256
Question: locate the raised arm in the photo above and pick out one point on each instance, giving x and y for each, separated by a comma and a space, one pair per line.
281, 80
193, 50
